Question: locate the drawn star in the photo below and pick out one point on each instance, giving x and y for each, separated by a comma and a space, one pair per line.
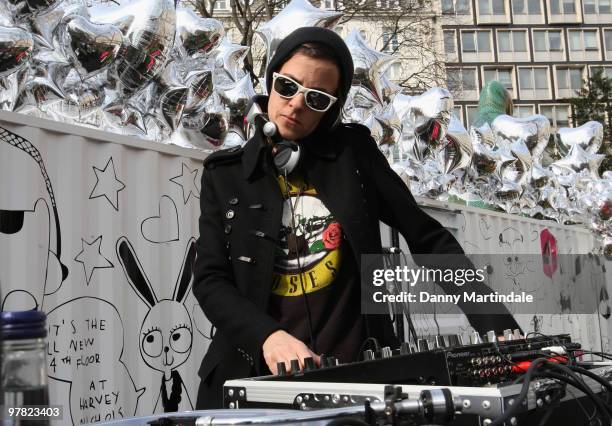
91, 257
188, 181
107, 185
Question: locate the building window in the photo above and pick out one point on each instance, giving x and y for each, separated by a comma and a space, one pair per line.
450, 44
387, 4
562, 7
592, 7
580, 41
522, 110
328, 4
220, 4
569, 79
491, 7
547, 41
458, 112
458, 7
512, 41
606, 71
461, 79
502, 75
390, 43
557, 115
526, 7
476, 41
533, 78
472, 113
608, 40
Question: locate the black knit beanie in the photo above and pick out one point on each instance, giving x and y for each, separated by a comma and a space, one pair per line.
342, 56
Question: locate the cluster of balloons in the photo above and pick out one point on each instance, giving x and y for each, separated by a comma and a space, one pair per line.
149, 69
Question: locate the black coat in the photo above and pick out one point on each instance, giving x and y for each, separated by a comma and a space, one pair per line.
241, 206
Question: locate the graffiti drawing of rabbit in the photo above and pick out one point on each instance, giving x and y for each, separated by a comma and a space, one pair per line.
166, 332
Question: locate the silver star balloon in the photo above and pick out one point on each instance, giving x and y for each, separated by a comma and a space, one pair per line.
171, 96
540, 175
484, 159
457, 153
297, 14
426, 120
196, 36
577, 160
483, 135
534, 131
124, 118
149, 27
229, 61
16, 46
205, 129
236, 97
370, 65
589, 136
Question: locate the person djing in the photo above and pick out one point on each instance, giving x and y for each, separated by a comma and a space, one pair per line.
309, 203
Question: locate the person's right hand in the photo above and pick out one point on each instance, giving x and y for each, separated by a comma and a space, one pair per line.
281, 346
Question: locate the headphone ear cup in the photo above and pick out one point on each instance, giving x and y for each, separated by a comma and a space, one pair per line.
287, 156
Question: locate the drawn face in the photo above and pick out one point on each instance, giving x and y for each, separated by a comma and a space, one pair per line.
166, 336
295, 120
25, 231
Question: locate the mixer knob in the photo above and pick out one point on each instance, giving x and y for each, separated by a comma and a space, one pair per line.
407, 348
386, 352
491, 336
368, 355
422, 345
508, 335
295, 366
309, 364
475, 338
455, 340
281, 368
439, 342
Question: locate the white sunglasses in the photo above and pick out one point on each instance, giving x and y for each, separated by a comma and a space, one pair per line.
287, 88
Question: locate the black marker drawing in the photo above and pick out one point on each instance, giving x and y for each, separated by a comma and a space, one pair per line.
165, 227
92, 258
166, 331
85, 350
26, 216
485, 228
188, 181
509, 237
107, 185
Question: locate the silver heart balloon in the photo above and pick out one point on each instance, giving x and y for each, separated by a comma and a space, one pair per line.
589, 136
16, 46
149, 27
297, 14
483, 134
45, 23
534, 131
540, 175
484, 159
200, 83
459, 150
171, 96
370, 65
90, 47
196, 36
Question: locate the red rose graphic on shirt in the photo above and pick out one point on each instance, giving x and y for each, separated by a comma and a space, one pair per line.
332, 236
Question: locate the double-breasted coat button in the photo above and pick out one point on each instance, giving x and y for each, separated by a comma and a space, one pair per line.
247, 259
229, 214
227, 229
256, 206
233, 201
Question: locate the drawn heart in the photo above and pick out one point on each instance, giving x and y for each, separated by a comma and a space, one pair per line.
91, 47
165, 227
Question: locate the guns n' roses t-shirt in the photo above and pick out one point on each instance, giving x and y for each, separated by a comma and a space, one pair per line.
312, 241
